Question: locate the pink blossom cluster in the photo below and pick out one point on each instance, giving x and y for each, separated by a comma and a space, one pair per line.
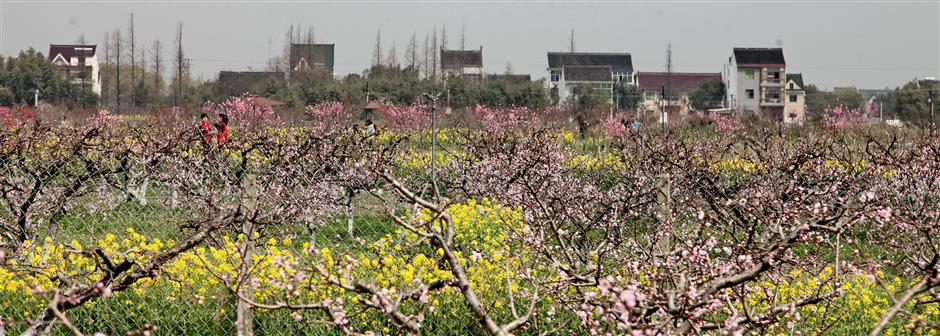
407, 118
103, 119
841, 117
244, 110
329, 115
614, 127
724, 123
506, 119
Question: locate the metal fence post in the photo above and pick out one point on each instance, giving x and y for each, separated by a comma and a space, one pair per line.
244, 321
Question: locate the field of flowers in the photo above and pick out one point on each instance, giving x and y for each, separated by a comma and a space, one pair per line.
138, 227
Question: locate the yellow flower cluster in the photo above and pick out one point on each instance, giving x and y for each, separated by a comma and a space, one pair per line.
860, 306
737, 165
421, 159
398, 261
605, 161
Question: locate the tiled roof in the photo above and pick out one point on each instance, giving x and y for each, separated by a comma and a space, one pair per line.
620, 62
588, 73
461, 57
678, 81
796, 78
69, 50
511, 78
759, 56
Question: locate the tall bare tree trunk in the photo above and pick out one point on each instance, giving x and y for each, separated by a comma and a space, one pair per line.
105, 72
434, 53
117, 54
133, 63
463, 33
178, 95
427, 70
377, 52
157, 69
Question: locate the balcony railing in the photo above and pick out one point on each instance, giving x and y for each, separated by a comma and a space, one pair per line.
772, 81
772, 101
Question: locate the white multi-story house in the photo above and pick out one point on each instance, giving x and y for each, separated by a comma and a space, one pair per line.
567, 70
78, 64
462, 63
754, 81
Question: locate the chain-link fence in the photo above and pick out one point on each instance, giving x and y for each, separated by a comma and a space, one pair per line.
148, 228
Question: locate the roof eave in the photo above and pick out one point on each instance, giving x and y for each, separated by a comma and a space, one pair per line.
759, 65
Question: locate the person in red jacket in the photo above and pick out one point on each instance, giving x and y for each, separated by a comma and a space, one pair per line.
205, 129
222, 127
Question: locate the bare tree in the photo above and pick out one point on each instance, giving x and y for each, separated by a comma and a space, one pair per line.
392, 58
571, 42
131, 40
310, 37
377, 53
282, 62
427, 69
444, 37
434, 54
105, 80
180, 64
116, 36
156, 53
463, 31
411, 52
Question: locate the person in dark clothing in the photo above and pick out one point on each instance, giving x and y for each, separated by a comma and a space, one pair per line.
222, 127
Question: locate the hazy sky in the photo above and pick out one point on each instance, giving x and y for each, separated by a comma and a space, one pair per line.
869, 44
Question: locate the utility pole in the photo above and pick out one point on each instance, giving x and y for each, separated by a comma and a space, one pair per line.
930, 101
571, 42
668, 88
36, 98
662, 106
434, 97
881, 110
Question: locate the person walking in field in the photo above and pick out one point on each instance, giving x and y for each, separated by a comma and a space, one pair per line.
222, 127
205, 129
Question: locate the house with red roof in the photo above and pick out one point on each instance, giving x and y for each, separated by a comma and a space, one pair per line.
78, 63
676, 85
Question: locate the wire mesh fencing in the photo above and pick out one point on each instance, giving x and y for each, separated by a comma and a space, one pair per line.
151, 229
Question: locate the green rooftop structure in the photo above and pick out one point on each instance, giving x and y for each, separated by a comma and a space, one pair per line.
312, 57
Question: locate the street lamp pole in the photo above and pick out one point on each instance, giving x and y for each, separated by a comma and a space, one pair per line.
36, 98
434, 97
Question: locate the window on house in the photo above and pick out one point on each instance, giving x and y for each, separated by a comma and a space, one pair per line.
748, 74
749, 93
775, 95
649, 95
555, 76
791, 86
792, 98
776, 75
